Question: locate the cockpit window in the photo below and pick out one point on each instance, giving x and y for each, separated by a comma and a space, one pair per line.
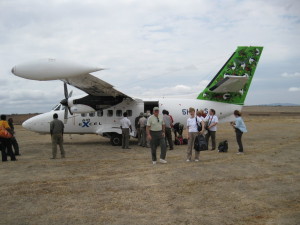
62, 107
54, 108
57, 108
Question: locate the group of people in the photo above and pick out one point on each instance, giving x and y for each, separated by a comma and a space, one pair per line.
152, 131
8, 145
156, 130
200, 124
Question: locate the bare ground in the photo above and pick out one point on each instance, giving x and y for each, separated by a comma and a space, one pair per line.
101, 184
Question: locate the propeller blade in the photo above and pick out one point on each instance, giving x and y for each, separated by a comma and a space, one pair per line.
70, 110
66, 90
65, 102
70, 94
66, 115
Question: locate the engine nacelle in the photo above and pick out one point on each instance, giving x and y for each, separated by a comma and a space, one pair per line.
51, 69
81, 109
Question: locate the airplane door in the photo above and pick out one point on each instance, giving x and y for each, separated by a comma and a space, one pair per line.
134, 110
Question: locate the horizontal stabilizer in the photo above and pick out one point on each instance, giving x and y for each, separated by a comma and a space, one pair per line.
230, 84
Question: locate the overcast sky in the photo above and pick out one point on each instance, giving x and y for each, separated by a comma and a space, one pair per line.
152, 48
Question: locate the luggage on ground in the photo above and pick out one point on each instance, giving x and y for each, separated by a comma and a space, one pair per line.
223, 146
180, 141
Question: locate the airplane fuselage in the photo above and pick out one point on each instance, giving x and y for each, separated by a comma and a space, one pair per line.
107, 121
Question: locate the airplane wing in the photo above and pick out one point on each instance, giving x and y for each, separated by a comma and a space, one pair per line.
71, 73
230, 83
93, 86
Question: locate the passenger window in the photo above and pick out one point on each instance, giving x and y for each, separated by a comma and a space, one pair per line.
119, 113
92, 114
100, 113
129, 113
83, 114
110, 113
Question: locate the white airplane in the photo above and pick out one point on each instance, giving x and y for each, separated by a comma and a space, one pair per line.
100, 111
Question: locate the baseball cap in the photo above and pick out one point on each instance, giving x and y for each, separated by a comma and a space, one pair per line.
155, 109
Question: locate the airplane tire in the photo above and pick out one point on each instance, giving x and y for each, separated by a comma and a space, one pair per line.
116, 140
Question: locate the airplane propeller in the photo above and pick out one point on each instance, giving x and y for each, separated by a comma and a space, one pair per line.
64, 102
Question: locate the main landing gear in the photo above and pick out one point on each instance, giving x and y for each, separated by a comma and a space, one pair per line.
116, 139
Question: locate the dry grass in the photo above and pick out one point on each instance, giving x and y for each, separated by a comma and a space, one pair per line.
101, 184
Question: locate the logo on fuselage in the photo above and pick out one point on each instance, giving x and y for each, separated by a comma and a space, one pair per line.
85, 123
88, 123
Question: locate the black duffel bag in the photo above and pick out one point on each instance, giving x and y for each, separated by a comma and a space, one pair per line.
200, 143
223, 146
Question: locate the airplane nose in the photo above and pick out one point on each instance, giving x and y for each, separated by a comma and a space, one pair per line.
27, 124
13, 70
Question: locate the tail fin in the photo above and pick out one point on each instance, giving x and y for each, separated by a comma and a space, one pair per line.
232, 82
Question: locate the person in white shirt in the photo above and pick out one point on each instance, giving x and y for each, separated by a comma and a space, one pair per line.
192, 133
211, 120
125, 126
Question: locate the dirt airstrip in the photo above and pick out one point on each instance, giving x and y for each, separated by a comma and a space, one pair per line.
101, 184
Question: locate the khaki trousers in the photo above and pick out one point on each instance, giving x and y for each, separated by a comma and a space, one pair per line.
57, 139
191, 142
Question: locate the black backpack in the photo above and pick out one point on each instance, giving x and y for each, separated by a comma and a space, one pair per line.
200, 143
223, 146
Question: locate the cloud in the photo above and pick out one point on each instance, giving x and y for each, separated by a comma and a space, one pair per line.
294, 89
291, 75
155, 47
